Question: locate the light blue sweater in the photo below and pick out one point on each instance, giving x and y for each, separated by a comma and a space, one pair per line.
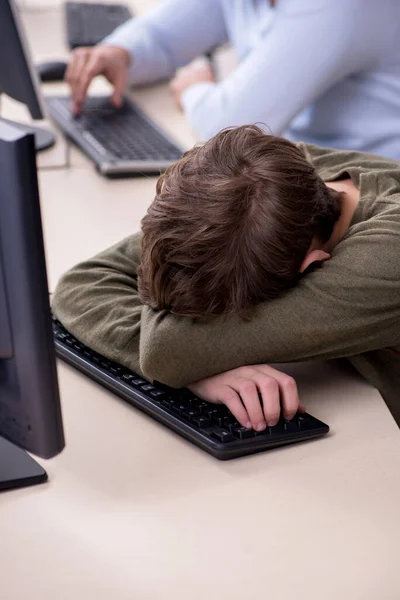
323, 71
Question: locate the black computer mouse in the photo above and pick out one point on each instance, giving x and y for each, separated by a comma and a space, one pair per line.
51, 70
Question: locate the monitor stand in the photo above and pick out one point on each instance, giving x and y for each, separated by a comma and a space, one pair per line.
43, 138
17, 468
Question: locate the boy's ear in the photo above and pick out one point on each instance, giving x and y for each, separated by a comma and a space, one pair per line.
313, 256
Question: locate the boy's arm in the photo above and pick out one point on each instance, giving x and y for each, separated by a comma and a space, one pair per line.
98, 302
342, 309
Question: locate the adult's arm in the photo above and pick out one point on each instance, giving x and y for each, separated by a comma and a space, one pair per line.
311, 46
169, 36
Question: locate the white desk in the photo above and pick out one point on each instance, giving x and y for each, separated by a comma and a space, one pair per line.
133, 512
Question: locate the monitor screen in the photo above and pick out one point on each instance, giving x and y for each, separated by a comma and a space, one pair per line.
30, 414
18, 77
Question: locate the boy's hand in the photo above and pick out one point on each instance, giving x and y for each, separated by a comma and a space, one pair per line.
254, 394
194, 73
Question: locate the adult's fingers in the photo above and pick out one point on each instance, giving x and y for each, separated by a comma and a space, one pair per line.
119, 82
75, 67
92, 67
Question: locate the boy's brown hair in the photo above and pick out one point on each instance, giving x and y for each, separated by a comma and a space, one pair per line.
231, 224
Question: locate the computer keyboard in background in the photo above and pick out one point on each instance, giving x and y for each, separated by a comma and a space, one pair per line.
87, 24
120, 141
210, 426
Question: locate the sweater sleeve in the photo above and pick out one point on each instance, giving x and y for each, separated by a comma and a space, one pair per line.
309, 48
98, 302
348, 306
344, 308
169, 36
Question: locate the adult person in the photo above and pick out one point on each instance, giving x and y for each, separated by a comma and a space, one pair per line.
325, 72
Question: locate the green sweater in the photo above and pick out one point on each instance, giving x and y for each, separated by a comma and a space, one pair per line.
350, 307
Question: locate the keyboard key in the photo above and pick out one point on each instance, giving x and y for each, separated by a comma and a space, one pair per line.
168, 403
222, 417
229, 422
148, 387
157, 394
264, 432
291, 425
203, 407
127, 377
138, 382
190, 414
115, 370
178, 409
61, 336
184, 405
222, 436
243, 433
303, 421
211, 412
202, 422
277, 429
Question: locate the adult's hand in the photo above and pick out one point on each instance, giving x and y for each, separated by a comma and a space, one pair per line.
87, 63
188, 76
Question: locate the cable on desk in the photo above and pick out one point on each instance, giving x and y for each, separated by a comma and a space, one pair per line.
65, 165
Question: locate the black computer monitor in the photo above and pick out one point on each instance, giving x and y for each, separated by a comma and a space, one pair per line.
18, 77
30, 414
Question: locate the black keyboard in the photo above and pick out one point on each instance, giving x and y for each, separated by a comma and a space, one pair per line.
210, 426
88, 24
120, 141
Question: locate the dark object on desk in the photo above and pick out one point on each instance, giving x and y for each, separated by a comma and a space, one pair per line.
51, 70
121, 141
88, 24
30, 414
18, 77
210, 426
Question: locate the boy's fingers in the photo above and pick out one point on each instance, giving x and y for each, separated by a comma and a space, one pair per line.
249, 395
232, 400
269, 390
289, 395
